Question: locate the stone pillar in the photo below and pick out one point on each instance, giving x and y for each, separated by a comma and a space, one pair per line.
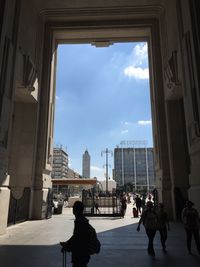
179, 157
188, 14
8, 51
194, 180
44, 154
39, 198
161, 153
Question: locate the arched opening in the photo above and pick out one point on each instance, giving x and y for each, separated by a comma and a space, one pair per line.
99, 26
111, 33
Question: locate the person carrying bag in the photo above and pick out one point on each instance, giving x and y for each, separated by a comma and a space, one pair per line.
84, 241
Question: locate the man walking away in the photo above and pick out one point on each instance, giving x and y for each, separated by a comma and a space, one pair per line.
190, 218
149, 219
138, 203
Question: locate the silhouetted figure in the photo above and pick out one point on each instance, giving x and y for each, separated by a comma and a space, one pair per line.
78, 244
123, 205
149, 219
138, 203
96, 205
190, 218
163, 225
179, 202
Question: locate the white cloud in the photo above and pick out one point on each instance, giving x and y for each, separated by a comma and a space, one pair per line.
125, 123
137, 72
140, 51
124, 132
97, 172
57, 97
142, 122
138, 63
96, 168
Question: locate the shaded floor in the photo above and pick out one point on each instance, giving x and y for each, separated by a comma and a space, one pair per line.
36, 243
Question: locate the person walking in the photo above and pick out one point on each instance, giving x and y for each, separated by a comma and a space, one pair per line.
190, 218
123, 205
149, 219
138, 203
78, 244
163, 225
96, 205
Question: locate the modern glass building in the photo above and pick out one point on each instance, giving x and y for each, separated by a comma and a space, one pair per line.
134, 166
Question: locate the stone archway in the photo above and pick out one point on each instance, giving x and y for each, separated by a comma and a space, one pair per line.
30, 32
100, 32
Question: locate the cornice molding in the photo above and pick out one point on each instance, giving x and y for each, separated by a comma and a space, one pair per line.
122, 12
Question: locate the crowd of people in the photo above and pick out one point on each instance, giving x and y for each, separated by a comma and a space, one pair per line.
153, 217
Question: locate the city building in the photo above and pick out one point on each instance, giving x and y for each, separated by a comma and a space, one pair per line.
61, 170
86, 165
134, 166
60, 164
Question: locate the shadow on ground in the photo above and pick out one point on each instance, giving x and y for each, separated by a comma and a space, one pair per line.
121, 246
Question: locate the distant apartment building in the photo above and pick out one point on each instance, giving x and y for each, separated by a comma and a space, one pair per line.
134, 166
86, 165
72, 174
60, 164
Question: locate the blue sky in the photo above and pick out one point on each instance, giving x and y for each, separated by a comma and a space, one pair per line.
102, 98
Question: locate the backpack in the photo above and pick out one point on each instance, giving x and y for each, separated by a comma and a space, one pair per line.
94, 244
150, 219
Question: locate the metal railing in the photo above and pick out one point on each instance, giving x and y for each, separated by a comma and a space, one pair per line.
104, 205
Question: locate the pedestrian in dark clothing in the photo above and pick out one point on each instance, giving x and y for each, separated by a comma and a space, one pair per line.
78, 244
149, 219
123, 206
97, 207
143, 203
190, 218
163, 225
138, 203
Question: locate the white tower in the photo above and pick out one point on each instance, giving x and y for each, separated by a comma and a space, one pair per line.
86, 165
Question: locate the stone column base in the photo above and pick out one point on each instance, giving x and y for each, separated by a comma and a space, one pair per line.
4, 207
166, 197
39, 204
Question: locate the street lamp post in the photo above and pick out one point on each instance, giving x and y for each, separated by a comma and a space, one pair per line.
106, 152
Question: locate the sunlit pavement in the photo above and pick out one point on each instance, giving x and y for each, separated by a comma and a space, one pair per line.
36, 243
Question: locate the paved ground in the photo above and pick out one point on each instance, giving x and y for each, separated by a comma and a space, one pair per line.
36, 244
